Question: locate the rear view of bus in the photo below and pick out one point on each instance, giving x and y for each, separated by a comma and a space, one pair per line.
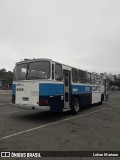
28, 75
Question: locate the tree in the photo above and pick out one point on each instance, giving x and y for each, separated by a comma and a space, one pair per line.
6, 78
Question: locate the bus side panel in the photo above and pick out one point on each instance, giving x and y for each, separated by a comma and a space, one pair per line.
96, 94
56, 104
84, 92
51, 94
96, 97
85, 99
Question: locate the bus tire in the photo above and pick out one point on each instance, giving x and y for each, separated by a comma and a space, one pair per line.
75, 106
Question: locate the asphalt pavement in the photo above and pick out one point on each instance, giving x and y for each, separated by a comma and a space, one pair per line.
94, 128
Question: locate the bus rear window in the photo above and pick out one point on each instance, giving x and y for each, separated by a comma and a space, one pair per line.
20, 71
39, 70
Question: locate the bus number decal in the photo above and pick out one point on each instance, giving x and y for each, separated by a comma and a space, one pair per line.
20, 89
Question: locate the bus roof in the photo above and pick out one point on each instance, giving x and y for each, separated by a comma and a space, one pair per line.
47, 59
33, 60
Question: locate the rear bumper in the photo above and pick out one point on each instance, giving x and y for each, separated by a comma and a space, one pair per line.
32, 107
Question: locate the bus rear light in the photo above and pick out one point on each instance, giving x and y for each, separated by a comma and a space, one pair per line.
43, 102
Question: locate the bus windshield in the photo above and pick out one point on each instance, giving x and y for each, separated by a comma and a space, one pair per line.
32, 71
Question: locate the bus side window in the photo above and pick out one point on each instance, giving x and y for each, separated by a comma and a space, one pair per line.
74, 75
82, 76
58, 72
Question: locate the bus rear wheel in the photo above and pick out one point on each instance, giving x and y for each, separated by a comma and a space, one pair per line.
75, 106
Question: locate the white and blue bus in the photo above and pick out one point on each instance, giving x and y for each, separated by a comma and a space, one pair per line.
48, 85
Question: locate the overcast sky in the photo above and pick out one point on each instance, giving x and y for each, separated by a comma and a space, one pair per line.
80, 33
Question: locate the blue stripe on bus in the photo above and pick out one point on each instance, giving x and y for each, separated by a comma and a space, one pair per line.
49, 89
78, 89
13, 89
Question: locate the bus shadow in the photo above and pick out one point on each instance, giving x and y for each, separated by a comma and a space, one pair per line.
89, 107
48, 116
45, 116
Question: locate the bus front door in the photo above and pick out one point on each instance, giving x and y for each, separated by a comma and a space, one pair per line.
66, 75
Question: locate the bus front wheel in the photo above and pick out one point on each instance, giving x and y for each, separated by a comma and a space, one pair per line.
75, 106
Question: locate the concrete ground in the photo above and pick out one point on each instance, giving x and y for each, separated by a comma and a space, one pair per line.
95, 128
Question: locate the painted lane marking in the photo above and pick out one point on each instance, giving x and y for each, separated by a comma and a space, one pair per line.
49, 124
